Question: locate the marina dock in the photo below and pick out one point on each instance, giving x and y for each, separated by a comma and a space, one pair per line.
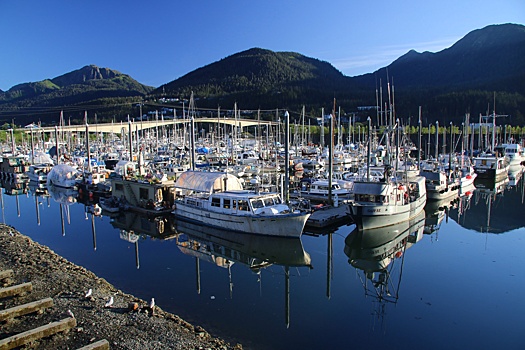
328, 216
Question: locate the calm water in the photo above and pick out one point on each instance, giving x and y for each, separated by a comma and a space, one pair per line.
451, 279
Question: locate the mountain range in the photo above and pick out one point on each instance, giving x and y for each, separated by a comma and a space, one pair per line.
486, 65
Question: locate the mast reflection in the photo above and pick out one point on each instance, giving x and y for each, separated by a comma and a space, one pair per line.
64, 197
218, 247
374, 252
225, 248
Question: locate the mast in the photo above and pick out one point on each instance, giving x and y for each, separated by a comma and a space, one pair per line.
286, 157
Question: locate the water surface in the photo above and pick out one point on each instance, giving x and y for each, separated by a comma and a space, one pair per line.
450, 279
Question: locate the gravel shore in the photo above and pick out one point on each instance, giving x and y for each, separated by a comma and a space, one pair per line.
66, 283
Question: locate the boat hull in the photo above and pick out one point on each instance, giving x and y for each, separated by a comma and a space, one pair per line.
492, 174
287, 225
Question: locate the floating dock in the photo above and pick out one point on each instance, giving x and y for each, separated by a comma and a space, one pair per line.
328, 216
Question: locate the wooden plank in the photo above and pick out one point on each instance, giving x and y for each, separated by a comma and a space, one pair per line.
25, 309
6, 274
15, 290
99, 345
37, 333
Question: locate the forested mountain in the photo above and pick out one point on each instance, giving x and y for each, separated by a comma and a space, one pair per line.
461, 79
86, 88
466, 77
262, 78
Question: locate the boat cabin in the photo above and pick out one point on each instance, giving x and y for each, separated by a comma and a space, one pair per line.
144, 194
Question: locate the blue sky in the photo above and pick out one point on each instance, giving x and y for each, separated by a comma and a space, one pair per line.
156, 42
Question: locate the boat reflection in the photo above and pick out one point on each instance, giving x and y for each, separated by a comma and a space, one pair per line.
219, 247
39, 191
257, 252
66, 196
14, 187
132, 226
439, 211
254, 251
374, 253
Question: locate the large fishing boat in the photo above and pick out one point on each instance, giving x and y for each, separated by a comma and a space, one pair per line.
387, 202
218, 200
491, 166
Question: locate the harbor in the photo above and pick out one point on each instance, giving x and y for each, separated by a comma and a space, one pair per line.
226, 283
234, 229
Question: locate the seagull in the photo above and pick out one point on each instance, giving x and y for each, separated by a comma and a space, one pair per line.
89, 292
109, 303
152, 303
70, 313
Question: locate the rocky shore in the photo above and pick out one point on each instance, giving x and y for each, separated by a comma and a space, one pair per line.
127, 324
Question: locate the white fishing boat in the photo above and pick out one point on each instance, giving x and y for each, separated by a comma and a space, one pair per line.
217, 199
385, 203
513, 151
490, 166
318, 191
38, 172
440, 183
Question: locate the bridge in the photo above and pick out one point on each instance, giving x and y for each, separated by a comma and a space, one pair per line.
142, 125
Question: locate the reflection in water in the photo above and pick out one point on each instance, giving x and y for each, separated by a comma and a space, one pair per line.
496, 207
439, 211
13, 187
132, 225
374, 252
218, 247
39, 191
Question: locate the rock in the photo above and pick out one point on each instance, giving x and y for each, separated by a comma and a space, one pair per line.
133, 306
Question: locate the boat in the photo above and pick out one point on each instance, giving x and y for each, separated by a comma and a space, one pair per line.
218, 200
387, 202
441, 183
38, 172
318, 191
110, 204
491, 166
513, 151
14, 168
64, 176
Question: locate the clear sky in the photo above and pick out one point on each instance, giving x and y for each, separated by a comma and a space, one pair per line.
156, 42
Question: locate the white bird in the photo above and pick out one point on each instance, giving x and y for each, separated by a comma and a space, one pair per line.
89, 292
70, 313
152, 303
109, 303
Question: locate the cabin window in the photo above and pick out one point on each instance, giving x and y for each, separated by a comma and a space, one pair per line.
268, 202
243, 205
257, 203
143, 193
234, 204
226, 203
215, 202
119, 187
